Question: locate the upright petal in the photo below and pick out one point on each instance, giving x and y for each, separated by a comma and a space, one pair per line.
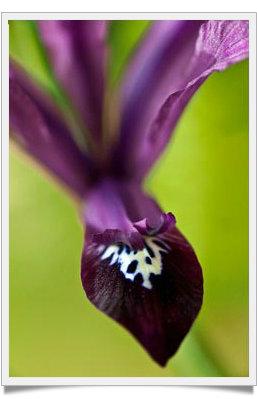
155, 71
156, 292
77, 51
173, 61
40, 130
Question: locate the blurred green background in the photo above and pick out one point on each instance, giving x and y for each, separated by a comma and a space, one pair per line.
202, 178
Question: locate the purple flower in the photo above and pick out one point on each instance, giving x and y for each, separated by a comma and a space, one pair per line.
136, 265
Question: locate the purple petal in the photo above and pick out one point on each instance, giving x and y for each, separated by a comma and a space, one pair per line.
219, 45
163, 126
77, 50
173, 61
156, 70
118, 211
156, 293
39, 129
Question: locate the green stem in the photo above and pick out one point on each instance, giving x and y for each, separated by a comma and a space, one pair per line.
195, 360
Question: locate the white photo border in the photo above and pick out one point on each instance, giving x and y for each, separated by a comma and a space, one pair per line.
230, 381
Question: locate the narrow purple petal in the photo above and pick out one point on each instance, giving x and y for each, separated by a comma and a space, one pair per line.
156, 70
166, 48
155, 293
163, 126
176, 56
77, 50
40, 130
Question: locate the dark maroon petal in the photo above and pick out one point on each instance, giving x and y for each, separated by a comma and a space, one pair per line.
77, 50
175, 56
155, 293
40, 130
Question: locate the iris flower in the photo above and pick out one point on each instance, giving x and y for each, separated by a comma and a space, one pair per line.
136, 265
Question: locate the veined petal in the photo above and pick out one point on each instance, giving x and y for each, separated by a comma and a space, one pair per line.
155, 292
40, 130
176, 58
219, 44
77, 51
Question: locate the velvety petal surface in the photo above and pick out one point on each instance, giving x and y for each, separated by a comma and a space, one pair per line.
155, 292
39, 129
77, 51
137, 268
173, 61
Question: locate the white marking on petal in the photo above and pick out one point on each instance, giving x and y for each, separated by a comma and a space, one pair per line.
143, 260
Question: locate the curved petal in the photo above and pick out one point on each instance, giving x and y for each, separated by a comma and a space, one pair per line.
163, 127
119, 211
77, 51
39, 129
171, 64
155, 293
